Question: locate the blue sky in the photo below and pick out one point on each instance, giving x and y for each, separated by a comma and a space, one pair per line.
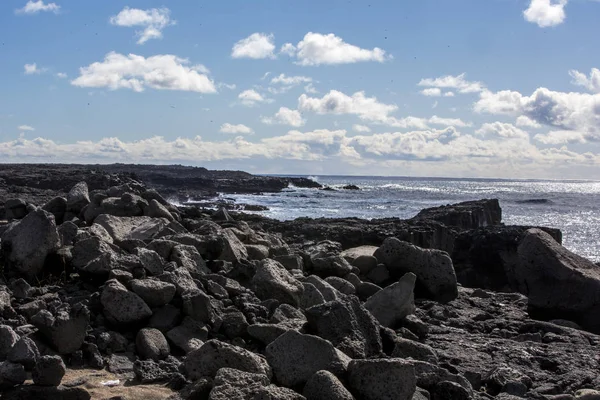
471, 88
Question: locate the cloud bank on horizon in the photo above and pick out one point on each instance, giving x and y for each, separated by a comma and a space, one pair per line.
304, 100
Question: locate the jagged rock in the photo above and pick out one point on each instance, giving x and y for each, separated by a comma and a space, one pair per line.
101, 232
394, 302
222, 215
28, 242
25, 352
404, 348
324, 385
429, 375
154, 293
342, 285
57, 207
331, 265
122, 306
65, 331
78, 197
67, 232
266, 333
201, 307
11, 374
381, 379
28, 392
122, 228
15, 209
379, 275
257, 251
30, 309
151, 344
152, 262
188, 336
181, 278
157, 210
233, 249
311, 296
94, 256
112, 342
546, 268
295, 357
48, 371
587, 394
121, 363
8, 338
433, 268
214, 355
348, 326
290, 261
150, 371
450, 391
165, 318
189, 258
234, 324
328, 292
273, 281
232, 383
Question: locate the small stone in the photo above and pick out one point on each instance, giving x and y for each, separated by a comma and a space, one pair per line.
341, 284
188, 336
152, 344
49, 371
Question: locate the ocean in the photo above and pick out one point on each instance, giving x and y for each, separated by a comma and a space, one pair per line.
571, 206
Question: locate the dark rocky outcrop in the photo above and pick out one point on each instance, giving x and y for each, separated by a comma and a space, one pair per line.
223, 305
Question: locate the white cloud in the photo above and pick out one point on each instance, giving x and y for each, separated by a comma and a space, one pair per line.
502, 130
453, 82
163, 72
338, 103
256, 46
231, 86
560, 137
288, 49
522, 120
319, 49
571, 111
239, 129
432, 92
361, 128
282, 79
26, 128
435, 120
449, 94
251, 97
592, 83
32, 69
310, 88
153, 21
34, 7
285, 116
546, 13
61, 75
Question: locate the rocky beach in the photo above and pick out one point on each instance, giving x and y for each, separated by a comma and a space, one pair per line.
110, 291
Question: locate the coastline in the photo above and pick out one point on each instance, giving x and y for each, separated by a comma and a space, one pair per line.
105, 273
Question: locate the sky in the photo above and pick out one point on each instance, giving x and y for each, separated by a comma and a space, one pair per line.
467, 88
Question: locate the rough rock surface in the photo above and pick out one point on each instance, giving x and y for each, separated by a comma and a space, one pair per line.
394, 302
433, 268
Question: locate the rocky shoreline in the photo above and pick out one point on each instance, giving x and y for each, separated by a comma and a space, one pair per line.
101, 272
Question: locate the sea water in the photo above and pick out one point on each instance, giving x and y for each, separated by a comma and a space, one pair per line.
571, 206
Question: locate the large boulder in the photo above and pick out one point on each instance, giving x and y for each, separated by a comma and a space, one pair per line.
295, 357
122, 228
348, 325
57, 207
233, 249
324, 385
27, 243
151, 344
557, 282
8, 338
155, 293
382, 379
394, 302
273, 281
214, 355
66, 330
436, 278
78, 197
48, 371
122, 306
